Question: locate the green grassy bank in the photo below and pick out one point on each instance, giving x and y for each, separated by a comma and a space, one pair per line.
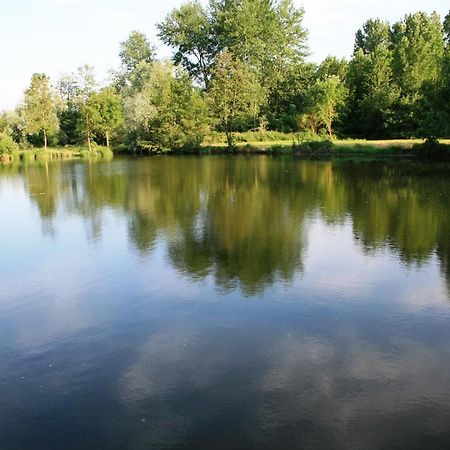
280, 144
55, 153
337, 147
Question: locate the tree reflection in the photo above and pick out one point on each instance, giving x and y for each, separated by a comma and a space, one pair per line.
244, 221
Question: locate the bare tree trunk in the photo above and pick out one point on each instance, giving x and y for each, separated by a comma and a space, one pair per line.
107, 139
45, 139
229, 138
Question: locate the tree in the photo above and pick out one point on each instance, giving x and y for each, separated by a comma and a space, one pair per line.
7, 144
135, 52
326, 97
40, 108
447, 30
266, 35
89, 115
289, 97
190, 32
434, 106
235, 94
418, 49
168, 113
372, 92
90, 118
108, 116
332, 66
69, 115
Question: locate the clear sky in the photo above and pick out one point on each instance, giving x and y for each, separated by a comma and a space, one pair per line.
57, 36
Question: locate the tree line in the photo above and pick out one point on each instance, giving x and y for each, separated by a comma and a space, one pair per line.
240, 65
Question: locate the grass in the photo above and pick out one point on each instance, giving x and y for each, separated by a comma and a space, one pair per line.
335, 147
54, 153
263, 143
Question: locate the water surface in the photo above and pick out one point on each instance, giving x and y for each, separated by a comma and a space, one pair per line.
224, 303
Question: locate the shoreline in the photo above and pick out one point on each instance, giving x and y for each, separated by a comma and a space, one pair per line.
411, 149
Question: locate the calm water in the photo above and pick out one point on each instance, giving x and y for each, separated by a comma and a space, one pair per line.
224, 303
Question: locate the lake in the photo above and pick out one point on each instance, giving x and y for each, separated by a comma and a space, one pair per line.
225, 303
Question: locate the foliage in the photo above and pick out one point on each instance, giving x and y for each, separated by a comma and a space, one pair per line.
135, 52
240, 66
326, 97
190, 32
169, 113
108, 114
40, 108
418, 49
7, 145
431, 148
235, 95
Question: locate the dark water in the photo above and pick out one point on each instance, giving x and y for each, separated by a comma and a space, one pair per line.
224, 303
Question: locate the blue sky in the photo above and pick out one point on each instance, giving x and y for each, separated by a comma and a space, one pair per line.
57, 36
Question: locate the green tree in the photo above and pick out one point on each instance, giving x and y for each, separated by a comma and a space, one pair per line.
189, 31
7, 144
89, 119
332, 66
135, 53
327, 96
372, 92
447, 30
168, 113
109, 115
89, 114
40, 108
69, 114
236, 95
418, 49
266, 35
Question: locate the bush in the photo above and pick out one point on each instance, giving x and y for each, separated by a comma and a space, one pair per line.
7, 145
316, 147
431, 148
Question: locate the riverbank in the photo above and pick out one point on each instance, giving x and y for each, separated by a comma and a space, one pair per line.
347, 147
57, 153
413, 148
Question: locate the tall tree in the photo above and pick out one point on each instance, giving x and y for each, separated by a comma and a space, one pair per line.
236, 94
418, 43
135, 52
69, 115
109, 114
372, 92
189, 31
332, 66
268, 35
326, 98
40, 108
168, 113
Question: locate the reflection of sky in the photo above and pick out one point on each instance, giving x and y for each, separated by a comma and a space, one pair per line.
95, 336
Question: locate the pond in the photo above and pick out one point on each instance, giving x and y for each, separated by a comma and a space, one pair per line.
225, 303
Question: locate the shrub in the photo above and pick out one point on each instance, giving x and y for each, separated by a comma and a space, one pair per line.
7, 145
431, 148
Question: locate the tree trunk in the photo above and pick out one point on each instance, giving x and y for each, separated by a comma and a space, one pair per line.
107, 139
330, 130
230, 138
45, 139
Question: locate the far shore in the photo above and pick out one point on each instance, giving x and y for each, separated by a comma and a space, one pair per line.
334, 148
